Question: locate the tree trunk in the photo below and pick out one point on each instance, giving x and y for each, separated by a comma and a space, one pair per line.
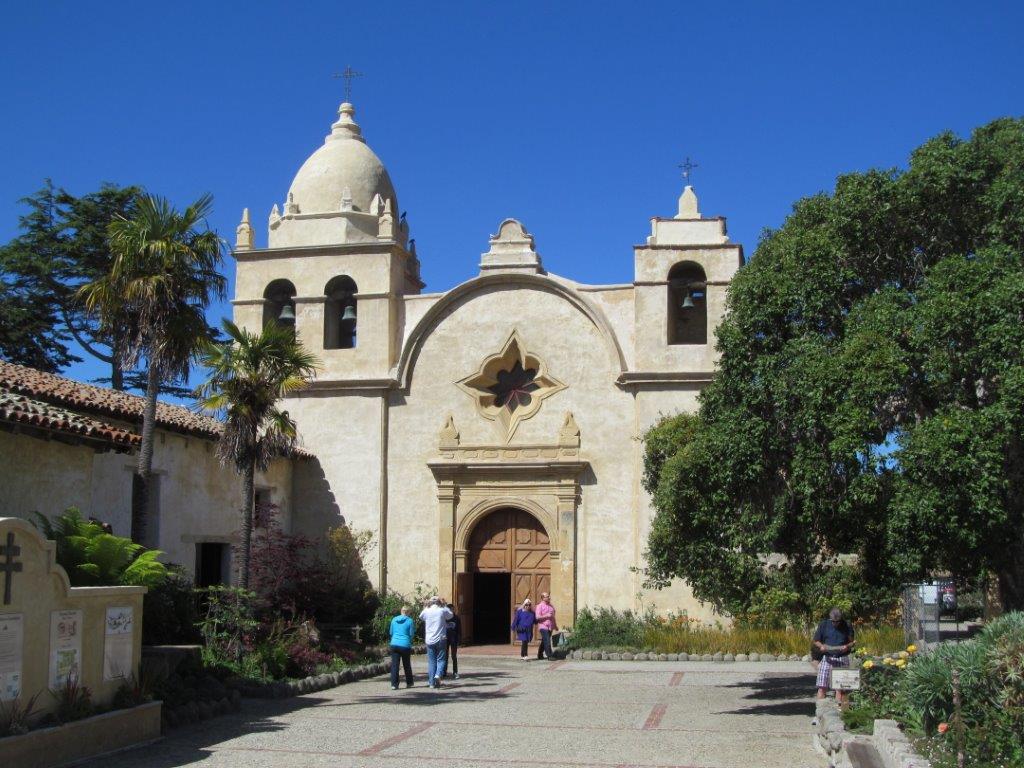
1011, 587
248, 500
116, 376
140, 485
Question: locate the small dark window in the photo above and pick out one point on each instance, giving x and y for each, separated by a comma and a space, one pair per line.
212, 564
687, 304
340, 313
279, 304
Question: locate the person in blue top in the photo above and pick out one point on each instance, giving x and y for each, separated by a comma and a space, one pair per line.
522, 625
401, 631
834, 639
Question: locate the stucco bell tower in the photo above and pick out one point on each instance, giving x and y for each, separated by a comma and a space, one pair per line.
338, 257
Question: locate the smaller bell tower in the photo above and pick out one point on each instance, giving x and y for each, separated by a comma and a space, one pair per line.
681, 275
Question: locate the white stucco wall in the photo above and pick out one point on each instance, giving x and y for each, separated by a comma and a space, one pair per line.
199, 497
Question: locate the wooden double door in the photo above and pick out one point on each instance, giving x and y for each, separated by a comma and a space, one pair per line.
508, 561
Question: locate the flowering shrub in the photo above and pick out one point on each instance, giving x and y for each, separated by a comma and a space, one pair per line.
917, 690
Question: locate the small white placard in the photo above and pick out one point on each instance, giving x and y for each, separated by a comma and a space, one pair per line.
846, 679
65, 646
12, 635
117, 643
929, 594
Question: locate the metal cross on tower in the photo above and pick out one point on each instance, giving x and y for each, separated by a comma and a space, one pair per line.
687, 167
349, 75
8, 566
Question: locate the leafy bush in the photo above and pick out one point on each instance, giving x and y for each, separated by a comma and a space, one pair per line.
293, 579
16, 715
169, 611
92, 557
228, 624
918, 692
74, 700
390, 605
609, 628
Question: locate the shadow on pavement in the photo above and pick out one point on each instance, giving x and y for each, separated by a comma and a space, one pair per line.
470, 687
781, 694
188, 744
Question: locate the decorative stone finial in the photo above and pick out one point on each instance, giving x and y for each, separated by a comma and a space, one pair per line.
688, 204
291, 207
346, 126
346, 199
511, 250
376, 205
448, 437
275, 216
386, 223
569, 435
244, 233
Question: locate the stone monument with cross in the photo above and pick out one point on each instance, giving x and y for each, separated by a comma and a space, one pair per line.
50, 631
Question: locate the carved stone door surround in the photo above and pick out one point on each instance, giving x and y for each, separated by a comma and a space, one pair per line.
473, 481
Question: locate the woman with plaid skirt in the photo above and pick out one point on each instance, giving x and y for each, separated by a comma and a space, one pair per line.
834, 638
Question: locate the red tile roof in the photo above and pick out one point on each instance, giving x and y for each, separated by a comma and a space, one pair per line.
18, 409
78, 399
78, 396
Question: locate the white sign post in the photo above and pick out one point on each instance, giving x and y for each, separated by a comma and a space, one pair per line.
65, 647
845, 679
117, 643
12, 634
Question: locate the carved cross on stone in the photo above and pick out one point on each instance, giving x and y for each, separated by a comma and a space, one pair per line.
8, 566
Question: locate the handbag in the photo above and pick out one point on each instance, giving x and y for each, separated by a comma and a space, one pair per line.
816, 653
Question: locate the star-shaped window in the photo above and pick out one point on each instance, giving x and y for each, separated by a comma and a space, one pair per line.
514, 387
510, 386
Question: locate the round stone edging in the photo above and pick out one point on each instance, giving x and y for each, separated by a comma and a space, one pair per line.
591, 655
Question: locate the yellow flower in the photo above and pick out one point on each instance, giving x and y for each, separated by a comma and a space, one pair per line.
903, 654
901, 663
911, 648
868, 664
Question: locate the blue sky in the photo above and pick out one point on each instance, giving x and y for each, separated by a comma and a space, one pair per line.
569, 116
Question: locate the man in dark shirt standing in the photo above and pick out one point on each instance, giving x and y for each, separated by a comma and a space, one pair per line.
834, 638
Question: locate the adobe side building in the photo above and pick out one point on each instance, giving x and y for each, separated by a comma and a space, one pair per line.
487, 435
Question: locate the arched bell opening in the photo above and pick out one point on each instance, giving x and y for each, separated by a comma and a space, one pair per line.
507, 560
687, 304
279, 304
340, 313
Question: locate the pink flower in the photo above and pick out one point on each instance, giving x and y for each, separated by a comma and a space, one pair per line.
943, 727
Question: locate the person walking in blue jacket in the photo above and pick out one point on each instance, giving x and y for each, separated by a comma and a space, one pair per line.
401, 631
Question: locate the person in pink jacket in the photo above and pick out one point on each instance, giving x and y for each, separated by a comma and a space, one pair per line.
546, 624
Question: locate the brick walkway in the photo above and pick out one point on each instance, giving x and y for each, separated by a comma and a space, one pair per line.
509, 714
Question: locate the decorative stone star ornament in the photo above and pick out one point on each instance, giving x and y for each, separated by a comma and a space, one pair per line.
510, 386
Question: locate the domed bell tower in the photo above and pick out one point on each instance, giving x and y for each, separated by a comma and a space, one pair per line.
338, 258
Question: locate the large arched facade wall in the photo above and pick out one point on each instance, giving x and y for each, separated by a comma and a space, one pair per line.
453, 340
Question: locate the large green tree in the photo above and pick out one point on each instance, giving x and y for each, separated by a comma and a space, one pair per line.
62, 245
164, 273
870, 394
248, 375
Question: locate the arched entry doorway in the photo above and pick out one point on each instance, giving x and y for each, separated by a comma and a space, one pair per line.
508, 560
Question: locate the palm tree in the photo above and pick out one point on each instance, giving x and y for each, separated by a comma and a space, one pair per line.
248, 375
164, 273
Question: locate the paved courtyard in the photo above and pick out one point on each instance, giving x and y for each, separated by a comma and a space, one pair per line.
508, 714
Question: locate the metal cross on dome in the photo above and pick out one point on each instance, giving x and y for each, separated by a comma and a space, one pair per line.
687, 167
348, 75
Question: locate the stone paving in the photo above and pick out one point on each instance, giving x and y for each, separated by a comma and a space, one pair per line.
508, 714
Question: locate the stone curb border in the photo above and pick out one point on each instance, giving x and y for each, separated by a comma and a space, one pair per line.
888, 741
642, 656
283, 689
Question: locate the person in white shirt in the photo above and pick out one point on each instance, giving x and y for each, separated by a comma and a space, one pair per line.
435, 619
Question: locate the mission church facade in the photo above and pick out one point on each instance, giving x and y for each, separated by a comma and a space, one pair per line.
487, 435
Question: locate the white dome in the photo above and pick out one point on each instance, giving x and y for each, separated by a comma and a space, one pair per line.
344, 168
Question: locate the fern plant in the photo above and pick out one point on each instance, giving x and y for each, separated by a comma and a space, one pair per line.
93, 557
